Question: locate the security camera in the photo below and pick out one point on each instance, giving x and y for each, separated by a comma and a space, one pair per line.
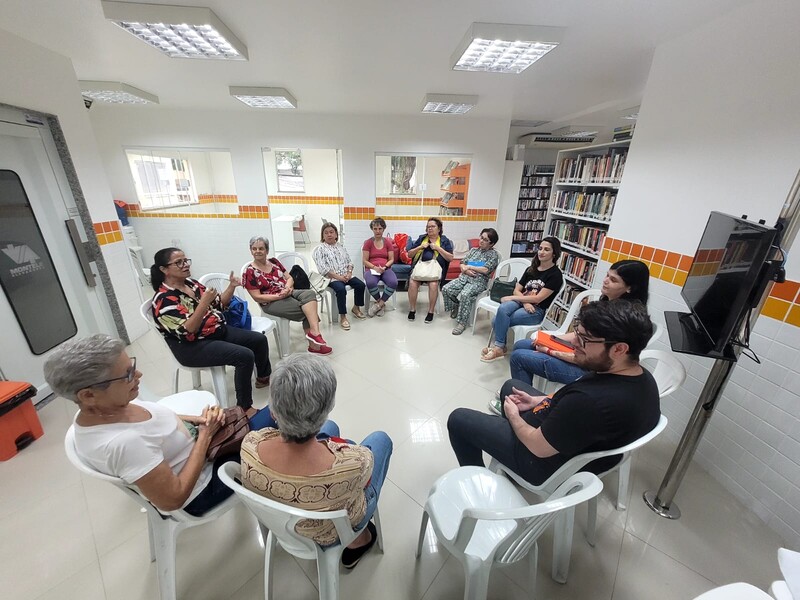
87, 102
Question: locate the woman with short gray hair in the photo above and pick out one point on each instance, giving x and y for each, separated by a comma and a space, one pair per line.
142, 443
306, 465
270, 284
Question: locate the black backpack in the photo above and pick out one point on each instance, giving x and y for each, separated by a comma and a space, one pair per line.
301, 281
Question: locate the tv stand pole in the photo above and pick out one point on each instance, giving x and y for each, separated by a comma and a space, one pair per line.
662, 502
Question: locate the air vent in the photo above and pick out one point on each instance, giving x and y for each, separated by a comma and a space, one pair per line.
517, 123
541, 140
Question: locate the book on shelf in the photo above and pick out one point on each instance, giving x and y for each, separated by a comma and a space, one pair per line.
589, 238
449, 167
578, 267
529, 170
446, 198
593, 168
598, 205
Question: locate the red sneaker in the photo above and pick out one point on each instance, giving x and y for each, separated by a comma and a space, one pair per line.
317, 339
323, 350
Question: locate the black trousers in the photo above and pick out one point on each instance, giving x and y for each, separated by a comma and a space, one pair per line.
241, 349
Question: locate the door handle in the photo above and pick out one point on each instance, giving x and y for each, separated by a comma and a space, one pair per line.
82, 252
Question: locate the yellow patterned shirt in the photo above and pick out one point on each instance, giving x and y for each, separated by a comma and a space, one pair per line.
340, 486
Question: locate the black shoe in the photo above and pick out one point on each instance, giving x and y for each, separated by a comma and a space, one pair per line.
454, 312
412, 314
429, 318
350, 557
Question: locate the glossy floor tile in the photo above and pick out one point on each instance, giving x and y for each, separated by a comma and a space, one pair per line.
66, 536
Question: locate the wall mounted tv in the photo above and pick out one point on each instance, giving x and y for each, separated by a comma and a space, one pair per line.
727, 267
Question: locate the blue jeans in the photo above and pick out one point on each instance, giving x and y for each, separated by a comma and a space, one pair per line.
381, 446
510, 314
527, 362
341, 293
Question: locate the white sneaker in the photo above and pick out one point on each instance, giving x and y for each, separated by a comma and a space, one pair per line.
381, 311
496, 407
374, 308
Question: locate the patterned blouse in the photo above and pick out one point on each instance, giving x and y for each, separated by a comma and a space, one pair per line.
490, 258
341, 486
273, 282
332, 258
172, 307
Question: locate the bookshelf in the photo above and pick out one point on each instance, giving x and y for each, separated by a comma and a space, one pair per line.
529, 221
582, 198
454, 188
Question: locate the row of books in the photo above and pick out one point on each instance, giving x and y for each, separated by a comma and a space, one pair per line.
523, 248
450, 196
527, 236
569, 295
534, 204
450, 212
533, 215
598, 205
453, 181
623, 133
450, 166
529, 225
542, 192
590, 168
579, 267
557, 315
528, 170
587, 237
540, 181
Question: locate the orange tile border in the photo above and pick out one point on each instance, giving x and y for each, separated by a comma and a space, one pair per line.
673, 260
659, 256
648, 252
785, 291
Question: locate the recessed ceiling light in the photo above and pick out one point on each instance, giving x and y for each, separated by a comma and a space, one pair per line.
501, 48
578, 131
264, 97
451, 104
177, 31
115, 92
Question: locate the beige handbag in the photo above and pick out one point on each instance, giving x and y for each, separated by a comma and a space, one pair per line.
427, 270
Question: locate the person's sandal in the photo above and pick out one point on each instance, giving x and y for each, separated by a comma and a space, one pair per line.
350, 557
493, 354
459, 329
344, 323
357, 313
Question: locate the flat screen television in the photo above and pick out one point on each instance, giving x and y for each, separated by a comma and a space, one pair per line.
727, 267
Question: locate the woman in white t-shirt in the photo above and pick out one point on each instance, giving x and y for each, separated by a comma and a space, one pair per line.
142, 443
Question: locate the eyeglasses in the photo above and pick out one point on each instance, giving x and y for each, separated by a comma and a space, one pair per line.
128, 377
181, 262
485, 239
582, 339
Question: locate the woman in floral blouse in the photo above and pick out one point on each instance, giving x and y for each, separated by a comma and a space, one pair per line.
333, 261
189, 316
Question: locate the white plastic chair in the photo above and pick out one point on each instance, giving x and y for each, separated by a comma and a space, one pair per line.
573, 465
735, 591
265, 325
277, 522
789, 587
281, 324
217, 372
368, 298
520, 332
483, 520
506, 271
163, 527
667, 370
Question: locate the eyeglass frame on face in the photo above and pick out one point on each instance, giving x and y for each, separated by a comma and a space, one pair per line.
129, 376
485, 238
583, 340
180, 263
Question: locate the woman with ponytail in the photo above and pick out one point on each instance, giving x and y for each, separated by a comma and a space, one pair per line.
190, 317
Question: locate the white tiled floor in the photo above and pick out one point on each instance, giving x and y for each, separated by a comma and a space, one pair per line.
66, 536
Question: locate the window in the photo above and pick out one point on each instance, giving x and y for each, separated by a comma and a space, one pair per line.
161, 181
289, 166
404, 175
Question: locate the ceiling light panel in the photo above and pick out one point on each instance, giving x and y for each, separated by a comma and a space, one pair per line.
177, 31
262, 97
450, 104
577, 131
115, 92
498, 48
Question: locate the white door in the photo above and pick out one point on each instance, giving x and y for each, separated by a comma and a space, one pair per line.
45, 299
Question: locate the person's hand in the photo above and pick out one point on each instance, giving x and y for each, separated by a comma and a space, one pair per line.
208, 297
539, 347
523, 400
510, 408
289, 289
212, 418
506, 299
471, 272
529, 308
285, 292
234, 280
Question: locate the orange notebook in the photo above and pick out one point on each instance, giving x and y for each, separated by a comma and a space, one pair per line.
549, 341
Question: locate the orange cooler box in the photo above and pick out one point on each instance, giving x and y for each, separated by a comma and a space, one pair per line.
19, 423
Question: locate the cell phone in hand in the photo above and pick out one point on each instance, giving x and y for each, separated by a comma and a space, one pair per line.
563, 341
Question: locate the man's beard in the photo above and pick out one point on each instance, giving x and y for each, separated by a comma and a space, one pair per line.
601, 364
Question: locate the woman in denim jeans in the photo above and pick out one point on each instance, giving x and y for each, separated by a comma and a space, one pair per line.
306, 465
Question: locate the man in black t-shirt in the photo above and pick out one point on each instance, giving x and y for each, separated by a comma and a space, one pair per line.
612, 406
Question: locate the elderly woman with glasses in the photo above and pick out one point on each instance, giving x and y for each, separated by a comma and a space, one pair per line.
190, 317
476, 267
306, 465
143, 443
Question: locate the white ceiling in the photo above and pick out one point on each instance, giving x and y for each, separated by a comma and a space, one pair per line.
373, 56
